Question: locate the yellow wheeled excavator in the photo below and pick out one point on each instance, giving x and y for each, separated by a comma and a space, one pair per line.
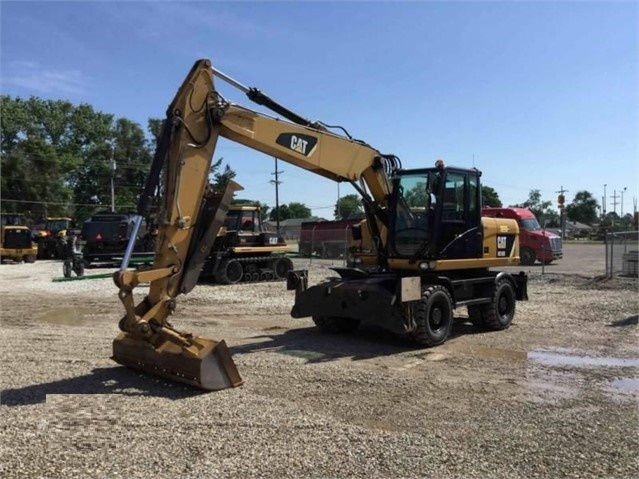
422, 251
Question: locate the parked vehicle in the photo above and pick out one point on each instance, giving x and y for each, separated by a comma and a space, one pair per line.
105, 236
50, 234
16, 242
535, 244
244, 251
327, 239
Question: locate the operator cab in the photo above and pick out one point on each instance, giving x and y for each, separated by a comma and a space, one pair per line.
246, 220
437, 214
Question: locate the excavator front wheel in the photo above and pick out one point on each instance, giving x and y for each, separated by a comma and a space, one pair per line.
434, 317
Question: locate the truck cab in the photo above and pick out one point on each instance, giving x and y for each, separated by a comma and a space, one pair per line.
535, 244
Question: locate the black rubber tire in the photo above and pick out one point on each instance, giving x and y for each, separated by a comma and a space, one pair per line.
527, 256
281, 267
79, 268
499, 313
336, 325
67, 268
29, 258
230, 272
434, 317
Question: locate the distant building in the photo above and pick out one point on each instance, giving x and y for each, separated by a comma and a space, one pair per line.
290, 229
575, 229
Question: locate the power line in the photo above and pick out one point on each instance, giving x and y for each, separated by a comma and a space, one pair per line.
58, 204
79, 183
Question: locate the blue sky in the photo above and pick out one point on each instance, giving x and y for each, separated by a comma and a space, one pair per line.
537, 95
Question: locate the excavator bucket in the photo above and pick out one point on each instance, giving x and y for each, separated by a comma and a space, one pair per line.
206, 364
153, 345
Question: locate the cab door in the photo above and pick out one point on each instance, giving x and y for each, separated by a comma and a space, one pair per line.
460, 234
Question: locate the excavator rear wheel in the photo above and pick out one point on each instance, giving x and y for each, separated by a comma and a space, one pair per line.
499, 313
230, 272
336, 325
433, 316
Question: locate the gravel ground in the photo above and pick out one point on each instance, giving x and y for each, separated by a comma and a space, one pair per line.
555, 395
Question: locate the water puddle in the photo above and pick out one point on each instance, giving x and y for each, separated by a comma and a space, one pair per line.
553, 384
625, 385
310, 356
65, 316
551, 358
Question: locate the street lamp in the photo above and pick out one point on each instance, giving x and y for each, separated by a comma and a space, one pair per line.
624, 189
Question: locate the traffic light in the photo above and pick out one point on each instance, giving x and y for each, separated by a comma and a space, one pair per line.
561, 199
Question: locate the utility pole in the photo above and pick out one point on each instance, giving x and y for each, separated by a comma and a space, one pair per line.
339, 213
112, 177
614, 201
277, 182
604, 201
614, 209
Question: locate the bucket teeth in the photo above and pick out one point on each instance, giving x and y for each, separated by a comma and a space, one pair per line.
210, 367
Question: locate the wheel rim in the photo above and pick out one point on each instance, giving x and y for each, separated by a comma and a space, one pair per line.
435, 318
505, 303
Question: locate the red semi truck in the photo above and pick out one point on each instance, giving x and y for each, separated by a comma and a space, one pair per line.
328, 239
535, 244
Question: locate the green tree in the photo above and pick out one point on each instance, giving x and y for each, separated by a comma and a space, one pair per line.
280, 213
583, 208
535, 204
221, 178
299, 210
56, 155
41, 148
123, 157
291, 210
489, 197
347, 206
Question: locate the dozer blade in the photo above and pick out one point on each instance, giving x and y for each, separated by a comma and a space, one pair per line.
210, 368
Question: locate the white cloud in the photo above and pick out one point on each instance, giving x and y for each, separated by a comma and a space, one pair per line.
40, 79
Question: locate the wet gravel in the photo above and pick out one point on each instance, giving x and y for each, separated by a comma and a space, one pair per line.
555, 395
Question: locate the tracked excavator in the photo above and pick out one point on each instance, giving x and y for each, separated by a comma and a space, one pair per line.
422, 251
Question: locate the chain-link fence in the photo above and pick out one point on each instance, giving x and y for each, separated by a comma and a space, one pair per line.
330, 242
622, 252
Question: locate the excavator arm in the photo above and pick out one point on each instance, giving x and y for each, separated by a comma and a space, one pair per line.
191, 214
